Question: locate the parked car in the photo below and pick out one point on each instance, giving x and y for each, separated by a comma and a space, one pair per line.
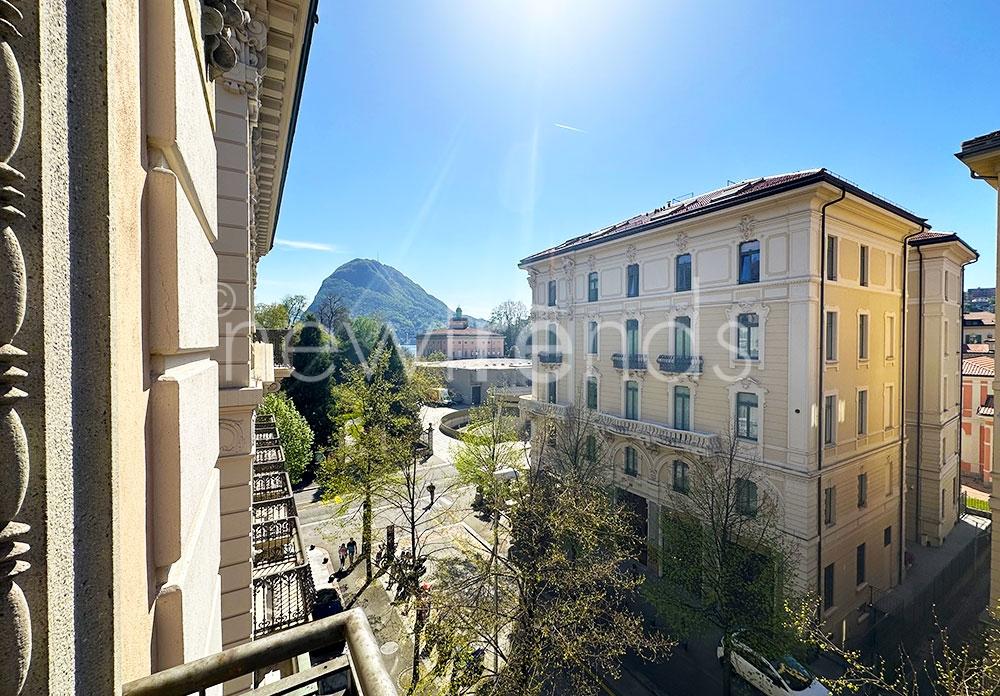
781, 677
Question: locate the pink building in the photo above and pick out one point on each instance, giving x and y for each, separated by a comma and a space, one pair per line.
977, 417
460, 341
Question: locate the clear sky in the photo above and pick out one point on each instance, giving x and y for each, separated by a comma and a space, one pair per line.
451, 139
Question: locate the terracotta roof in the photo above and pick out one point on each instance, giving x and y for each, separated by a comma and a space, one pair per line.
977, 348
987, 408
978, 366
725, 197
927, 237
979, 319
929, 234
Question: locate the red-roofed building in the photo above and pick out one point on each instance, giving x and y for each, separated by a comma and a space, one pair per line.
977, 417
459, 341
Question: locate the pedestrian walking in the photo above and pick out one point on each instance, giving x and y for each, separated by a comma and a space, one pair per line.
352, 549
342, 552
379, 555
431, 489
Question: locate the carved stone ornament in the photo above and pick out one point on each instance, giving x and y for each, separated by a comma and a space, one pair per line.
15, 620
747, 226
630, 253
592, 262
532, 278
220, 20
567, 267
682, 242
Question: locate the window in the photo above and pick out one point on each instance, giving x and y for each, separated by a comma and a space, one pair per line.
831, 258
831, 336
682, 268
746, 497
631, 462
552, 390
750, 262
890, 337
942, 503
863, 336
633, 280
552, 293
747, 338
682, 408
632, 400
682, 337
863, 412
592, 286
592, 338
887, 536
746, 416
632, 336
888, 412
830, 506
862, 490
681, 482
828, 587
829, 419
860, 573
591, 448
592, 393
863, 269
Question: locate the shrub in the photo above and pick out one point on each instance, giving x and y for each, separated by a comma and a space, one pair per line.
296, 435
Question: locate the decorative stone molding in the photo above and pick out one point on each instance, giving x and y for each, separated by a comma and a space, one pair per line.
682, 242
747, 227
568, 267
592, 262
532, 279
630, 253
15, 619
219, 22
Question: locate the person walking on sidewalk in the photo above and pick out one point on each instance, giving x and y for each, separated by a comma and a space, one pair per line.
352, 548
431, 489
342, 552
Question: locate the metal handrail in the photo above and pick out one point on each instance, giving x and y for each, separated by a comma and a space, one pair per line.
631, 361
680, 363
550, 357
365, 659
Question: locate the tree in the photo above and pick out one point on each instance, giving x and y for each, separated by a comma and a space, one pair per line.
556, 607
436, 356
952, 668
295, 306
724, 561
296, 435
273, 315
377, 420
309, 384
510, 318
331, 312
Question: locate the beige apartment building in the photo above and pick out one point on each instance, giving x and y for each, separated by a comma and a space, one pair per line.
982, 156
934, 340
144, 148
773, 309
978, 372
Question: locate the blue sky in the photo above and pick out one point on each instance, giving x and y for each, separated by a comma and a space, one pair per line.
433, 135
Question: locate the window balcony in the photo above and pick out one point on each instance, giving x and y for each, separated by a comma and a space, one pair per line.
677, 364
550, 357
269, 459
630, 361
274, 509
282, 597
541, 408
270, 486
360, 667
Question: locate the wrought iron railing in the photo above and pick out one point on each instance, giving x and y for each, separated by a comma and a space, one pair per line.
550, 357
631, 361
278, 508
271, 485
680, 363
269, 460
275, 542
282, 599
362, 665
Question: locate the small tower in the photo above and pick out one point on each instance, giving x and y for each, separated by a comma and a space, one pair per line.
458, 321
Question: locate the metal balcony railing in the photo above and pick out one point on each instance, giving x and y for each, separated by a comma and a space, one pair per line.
680, 363
269, 460
270, 486
631, 361
550, 357
265, 438
362, 665
278, 508
264, 419
275, 542
282, 599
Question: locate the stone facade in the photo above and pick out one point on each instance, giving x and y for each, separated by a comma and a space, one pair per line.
459, 341
111, 116
687, 388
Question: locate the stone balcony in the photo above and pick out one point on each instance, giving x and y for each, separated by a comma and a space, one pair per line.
630, 361
679, 364
649, 433
548, 357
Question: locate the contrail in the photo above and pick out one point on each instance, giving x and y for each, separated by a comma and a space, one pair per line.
569, 128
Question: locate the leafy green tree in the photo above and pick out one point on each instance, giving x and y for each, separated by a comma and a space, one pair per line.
309, 384
436, 356
510, 318
556, 607
296, 435
724, 561
271, 315
295, 307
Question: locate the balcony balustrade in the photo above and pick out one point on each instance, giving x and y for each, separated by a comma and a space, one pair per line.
275, 509
550, 357
276, 542
541, 408
269, 460
630, 361
266, 437
361, 666
677, 364
282, 599
270, 486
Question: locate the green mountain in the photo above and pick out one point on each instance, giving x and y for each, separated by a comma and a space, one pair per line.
368, 287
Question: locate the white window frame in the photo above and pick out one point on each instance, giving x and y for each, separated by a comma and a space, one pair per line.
733, 313
865, 337
836, 417
826, 335
862, 428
